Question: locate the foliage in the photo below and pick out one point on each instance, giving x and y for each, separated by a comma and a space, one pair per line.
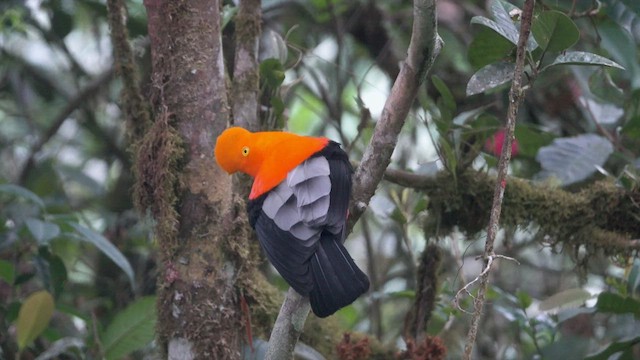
69, 237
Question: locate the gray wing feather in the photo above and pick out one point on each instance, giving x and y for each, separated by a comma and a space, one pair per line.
316, 166
301, 202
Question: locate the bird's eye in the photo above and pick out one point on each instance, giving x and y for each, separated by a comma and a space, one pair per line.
245, 151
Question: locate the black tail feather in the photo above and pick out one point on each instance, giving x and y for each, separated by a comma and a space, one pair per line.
337, 281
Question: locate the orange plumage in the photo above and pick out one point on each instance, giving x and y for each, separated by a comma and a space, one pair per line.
266, 156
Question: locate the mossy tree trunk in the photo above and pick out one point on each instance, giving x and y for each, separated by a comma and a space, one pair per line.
186, 193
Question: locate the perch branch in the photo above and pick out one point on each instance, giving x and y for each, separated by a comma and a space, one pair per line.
516, 95
424, 47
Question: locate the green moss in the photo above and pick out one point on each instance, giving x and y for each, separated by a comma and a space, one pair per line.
156, 165
601, 217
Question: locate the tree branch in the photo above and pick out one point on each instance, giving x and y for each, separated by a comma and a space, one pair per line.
516, 94
601, 216
424, 47
288, 327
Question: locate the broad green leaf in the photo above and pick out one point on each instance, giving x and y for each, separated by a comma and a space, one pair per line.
7, 271
565, 299
573, 159
554, 31
621, 48
42, 231
34, 316
506, 16
490, 77
614, 348
131, 329
584, 58
502, 25
510, 33
21, 192
618, 304
488, 47
106, 247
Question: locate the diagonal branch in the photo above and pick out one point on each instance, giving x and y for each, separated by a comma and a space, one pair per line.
424, 47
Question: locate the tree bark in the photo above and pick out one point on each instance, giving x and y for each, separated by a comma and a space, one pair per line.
187, 194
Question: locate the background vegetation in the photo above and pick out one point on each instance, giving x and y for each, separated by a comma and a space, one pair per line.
78, 264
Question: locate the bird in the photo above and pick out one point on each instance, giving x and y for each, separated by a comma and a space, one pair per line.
298, 207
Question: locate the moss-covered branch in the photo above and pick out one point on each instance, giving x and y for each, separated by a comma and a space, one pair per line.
602, 216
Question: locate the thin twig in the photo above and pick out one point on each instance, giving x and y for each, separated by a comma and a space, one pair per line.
485, 271
516, 95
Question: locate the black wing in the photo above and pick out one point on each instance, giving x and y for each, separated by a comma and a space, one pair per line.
300, 225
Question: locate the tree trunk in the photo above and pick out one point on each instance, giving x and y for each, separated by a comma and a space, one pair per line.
186, 193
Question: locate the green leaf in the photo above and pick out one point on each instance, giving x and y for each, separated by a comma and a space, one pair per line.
131, 329
555, 31
614, 348
503, 25
490, 77
448, 101
34, 316
404, 294
42, 231
584, 58
21, 192
7, 271
632, 128
573, 159
621, 48
488, 47
617, 304
228, 13
524, 299
530, 140
272, 72
565, 299
107, 248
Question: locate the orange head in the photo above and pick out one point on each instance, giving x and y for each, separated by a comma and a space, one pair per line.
235, 151
266, 156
